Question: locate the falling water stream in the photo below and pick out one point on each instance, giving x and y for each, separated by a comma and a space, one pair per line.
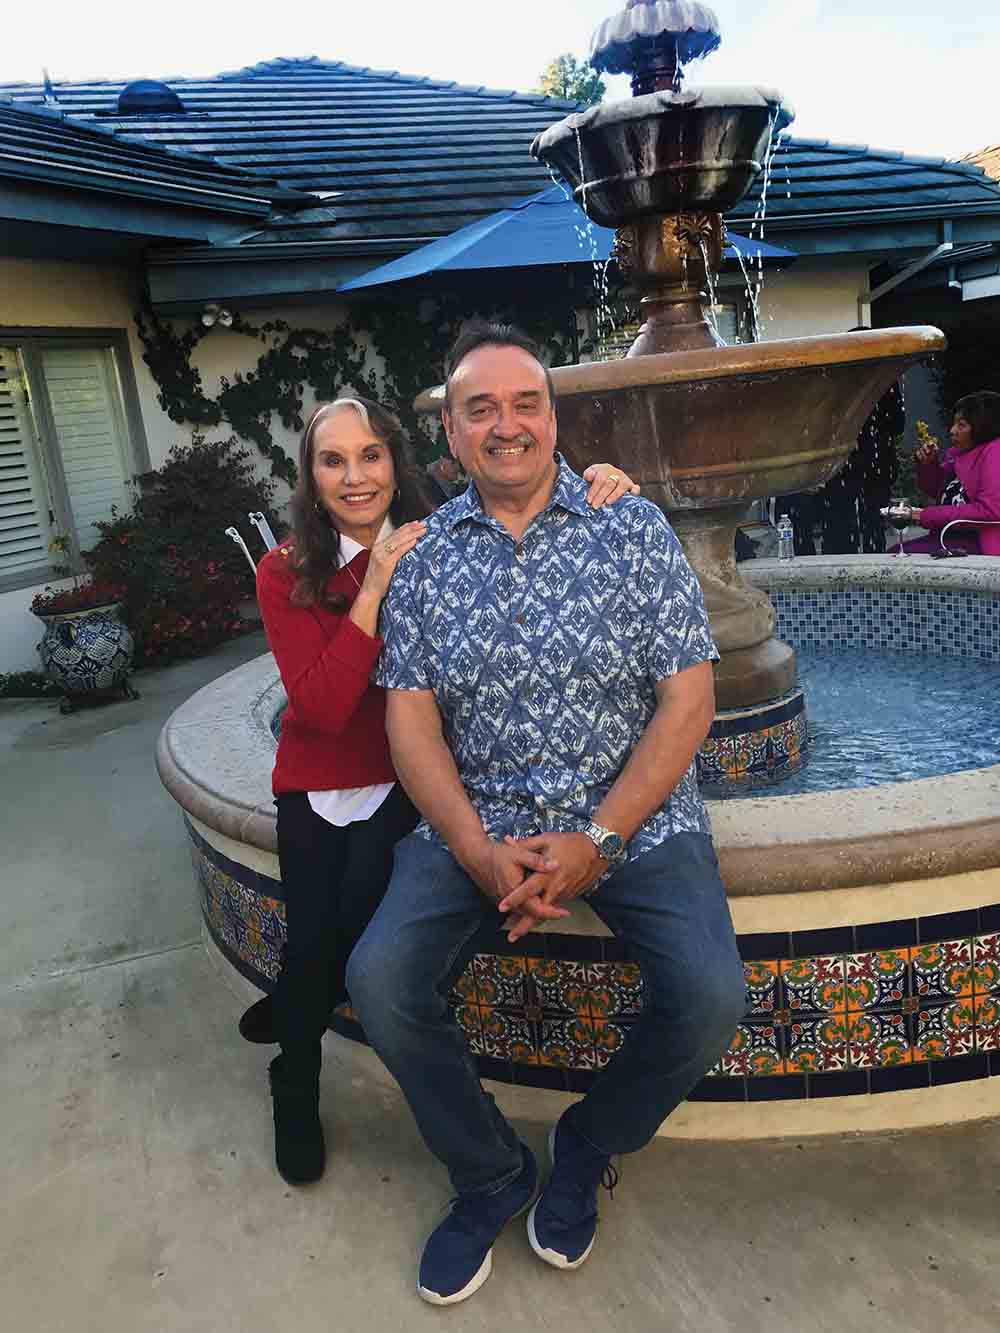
710, 284
755, 285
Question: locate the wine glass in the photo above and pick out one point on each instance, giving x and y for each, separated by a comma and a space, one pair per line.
899, 514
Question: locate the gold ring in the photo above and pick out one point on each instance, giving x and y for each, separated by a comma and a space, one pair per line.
613, 476
390, 547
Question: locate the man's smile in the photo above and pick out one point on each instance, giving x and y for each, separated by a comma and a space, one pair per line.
507, 450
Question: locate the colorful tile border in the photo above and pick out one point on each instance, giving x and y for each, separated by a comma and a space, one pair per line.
755, 748
854, 1009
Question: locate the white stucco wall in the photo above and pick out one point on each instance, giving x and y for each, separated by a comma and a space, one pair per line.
812, 296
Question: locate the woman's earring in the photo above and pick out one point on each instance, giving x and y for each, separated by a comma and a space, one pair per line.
395, 494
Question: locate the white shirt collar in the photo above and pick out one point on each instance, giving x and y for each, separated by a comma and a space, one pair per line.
349, 548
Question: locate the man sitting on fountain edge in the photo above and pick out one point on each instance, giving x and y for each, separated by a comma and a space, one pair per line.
549, 677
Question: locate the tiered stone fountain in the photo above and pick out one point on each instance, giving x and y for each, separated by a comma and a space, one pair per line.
706, 428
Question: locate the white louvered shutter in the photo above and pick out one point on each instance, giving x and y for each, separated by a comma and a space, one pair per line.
90, 433
24, 504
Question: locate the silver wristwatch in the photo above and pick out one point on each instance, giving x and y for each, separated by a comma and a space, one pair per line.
610, 845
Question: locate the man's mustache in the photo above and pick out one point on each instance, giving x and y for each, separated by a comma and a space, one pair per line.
523, 438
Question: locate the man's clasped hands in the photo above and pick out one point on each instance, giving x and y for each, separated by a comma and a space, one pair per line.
532, 879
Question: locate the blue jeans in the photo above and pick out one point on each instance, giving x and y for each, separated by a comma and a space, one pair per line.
670, 908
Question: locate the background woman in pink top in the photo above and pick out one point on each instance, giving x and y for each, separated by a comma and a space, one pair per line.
965, 479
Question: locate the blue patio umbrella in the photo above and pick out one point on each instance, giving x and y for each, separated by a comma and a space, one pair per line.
548, 228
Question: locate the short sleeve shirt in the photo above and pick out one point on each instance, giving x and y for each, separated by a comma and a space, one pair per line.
543, 654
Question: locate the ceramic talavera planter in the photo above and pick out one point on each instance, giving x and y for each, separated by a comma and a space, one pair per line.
87, 653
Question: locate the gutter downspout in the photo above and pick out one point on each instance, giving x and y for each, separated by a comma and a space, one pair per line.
866, 299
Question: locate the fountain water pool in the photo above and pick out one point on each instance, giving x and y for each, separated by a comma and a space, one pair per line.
878, 716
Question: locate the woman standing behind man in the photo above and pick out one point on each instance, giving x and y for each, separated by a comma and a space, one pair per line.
357, 510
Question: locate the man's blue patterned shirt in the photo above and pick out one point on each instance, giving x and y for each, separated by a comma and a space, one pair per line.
543, 654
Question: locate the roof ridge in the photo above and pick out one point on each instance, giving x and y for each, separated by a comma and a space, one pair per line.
280, 63
291, 64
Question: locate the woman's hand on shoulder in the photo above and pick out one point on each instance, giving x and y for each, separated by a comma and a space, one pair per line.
607, 484
386, 555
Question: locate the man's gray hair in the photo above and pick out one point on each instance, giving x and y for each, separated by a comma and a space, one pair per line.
484, 333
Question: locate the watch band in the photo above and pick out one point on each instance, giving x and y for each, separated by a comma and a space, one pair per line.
601, 837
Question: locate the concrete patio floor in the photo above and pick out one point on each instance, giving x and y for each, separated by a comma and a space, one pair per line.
138, 1183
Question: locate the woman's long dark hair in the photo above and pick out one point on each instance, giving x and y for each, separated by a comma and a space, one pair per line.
317, 541
982, 412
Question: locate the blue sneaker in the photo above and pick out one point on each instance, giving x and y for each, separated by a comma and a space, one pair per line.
458, 1256
563, 1223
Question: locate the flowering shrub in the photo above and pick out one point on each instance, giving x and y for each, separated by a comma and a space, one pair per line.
184, 579
85, 594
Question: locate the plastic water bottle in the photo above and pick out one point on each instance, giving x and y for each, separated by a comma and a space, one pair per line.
786, 538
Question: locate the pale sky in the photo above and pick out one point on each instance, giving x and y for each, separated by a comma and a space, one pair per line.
898, 74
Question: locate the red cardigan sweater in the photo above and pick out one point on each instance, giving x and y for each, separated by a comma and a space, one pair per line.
333, 730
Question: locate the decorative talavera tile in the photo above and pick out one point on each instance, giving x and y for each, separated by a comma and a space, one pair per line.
877, 980
559, 987
468, 1018
754, 1050
942, 970
501, 980
945, 1030
813, 984
609, 1038
816, 1045
465, 989
763, 988
986, 1017
877, 1039
621, 995
502, 1034
986, 963
566, 1044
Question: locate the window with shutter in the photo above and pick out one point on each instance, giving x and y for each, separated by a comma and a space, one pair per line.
25, 531
68, 447
90, 433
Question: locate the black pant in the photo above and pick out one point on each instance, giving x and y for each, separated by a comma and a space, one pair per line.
333, 880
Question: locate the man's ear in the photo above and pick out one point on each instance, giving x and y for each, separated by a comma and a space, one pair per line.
447, 424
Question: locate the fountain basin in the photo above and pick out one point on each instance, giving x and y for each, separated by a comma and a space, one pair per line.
695, 150
727, 425
869, 919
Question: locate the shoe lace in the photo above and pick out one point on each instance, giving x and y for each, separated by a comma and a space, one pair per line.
609, 1179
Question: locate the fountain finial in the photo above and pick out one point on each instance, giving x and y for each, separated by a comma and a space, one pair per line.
653, 40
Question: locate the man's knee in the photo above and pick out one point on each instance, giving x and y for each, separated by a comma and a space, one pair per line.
720, 998
389, 981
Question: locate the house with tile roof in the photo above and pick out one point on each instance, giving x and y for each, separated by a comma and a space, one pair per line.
259, 192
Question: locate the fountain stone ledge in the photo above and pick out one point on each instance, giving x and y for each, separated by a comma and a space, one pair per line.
869, 920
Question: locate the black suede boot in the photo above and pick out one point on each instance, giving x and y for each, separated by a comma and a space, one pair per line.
299, 1149
257, 1023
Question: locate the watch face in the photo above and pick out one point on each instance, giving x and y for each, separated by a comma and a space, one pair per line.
612, 846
